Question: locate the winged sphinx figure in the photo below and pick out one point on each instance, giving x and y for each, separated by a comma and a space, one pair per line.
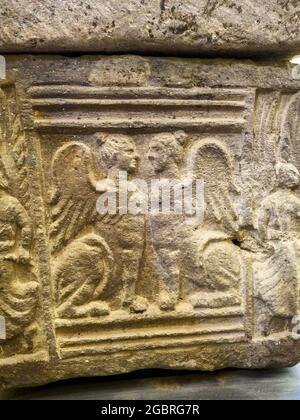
214, 262
83, 239
82, 259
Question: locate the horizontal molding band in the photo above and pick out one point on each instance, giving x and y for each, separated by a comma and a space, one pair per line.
86, 92
85, 125
121, 319
145, 334
153, 344
66, 102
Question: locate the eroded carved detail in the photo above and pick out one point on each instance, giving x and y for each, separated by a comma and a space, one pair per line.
166, 154
98, 261
125, 282
19, 285
277, 272
272, 184
82, 262
220, 265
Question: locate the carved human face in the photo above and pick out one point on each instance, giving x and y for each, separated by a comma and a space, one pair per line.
127, 156
162, 152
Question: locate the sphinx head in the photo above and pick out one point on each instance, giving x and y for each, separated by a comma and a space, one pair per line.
117, 151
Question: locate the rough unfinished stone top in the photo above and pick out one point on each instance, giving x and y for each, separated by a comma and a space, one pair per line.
244, 27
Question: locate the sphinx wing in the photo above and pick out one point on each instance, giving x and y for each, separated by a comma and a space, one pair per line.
212, 163
73, 193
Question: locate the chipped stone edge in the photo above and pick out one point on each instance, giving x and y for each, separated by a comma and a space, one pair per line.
296, 72
2, 67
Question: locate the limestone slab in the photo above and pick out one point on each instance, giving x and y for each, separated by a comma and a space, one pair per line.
172, 27
85, 294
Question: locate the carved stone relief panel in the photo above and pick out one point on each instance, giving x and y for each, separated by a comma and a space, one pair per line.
20, 288
137, 286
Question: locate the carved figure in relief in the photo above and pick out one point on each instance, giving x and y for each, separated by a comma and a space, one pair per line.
18, 286
214, 264
277, 269
125, 233
82, 261
167, 231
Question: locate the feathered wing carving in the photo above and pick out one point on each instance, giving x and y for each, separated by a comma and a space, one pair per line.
266, 131
73, 195
220, 264
290, 130
83, 260
259, 156
212, 163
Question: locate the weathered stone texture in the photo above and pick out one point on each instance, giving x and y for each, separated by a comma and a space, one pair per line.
86, 294
160, 26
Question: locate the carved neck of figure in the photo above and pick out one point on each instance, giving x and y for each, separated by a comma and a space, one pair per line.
114, 174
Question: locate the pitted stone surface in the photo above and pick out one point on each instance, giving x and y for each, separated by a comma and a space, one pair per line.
172, 27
